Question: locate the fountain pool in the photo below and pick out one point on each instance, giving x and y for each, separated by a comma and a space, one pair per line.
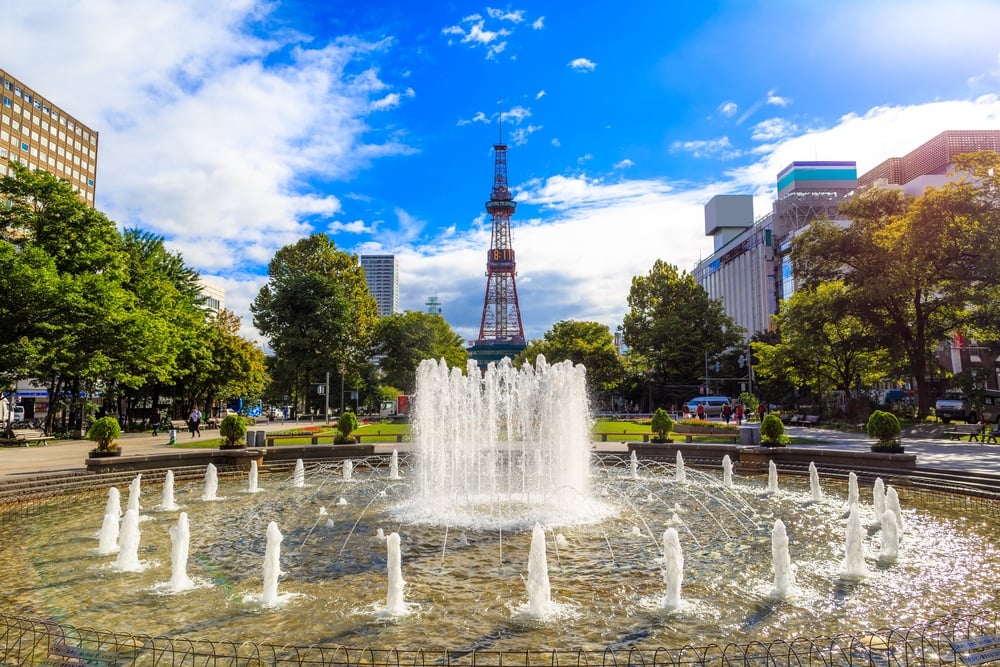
463, 579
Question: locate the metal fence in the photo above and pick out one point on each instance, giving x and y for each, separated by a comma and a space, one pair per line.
949, 640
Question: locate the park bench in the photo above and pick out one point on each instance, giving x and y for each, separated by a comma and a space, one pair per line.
793, 420
959, 431
810, 420
24, 437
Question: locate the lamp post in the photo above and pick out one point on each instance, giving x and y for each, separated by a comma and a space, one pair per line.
341, 368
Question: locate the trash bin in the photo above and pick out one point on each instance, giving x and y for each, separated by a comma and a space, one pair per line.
260, 439
750, 435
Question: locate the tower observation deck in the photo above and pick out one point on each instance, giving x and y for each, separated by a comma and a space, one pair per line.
501, 333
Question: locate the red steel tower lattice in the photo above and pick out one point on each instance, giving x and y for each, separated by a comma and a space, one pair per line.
501, 321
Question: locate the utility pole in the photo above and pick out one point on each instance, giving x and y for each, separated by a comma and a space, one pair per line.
326, 415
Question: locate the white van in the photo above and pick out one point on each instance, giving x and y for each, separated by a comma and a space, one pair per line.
18, 415
713, 405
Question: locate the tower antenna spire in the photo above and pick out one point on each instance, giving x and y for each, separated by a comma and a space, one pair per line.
500, 121
501, 333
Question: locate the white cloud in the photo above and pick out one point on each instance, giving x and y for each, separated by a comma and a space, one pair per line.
520, 135
515, 114
728, 109
624, 164
582, 65
772, 129
776, 100
540, 94
555, 142
515, 16
354, 227
539, 23
700, 148
479, 117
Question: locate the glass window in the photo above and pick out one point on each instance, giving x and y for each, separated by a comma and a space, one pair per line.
24, 146
4, 135
90, 182
7, 101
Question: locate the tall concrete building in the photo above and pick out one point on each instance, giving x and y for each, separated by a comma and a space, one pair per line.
750, 268
382, 276
40, 135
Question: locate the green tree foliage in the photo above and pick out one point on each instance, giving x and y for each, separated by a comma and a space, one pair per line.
771, 430
884, 427
104, 432
233, 428
316, 311
589, 343
672, 324
661, 424
914, 269
403, 340
347, 423
822, 342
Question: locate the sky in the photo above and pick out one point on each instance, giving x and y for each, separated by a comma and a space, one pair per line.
235, 127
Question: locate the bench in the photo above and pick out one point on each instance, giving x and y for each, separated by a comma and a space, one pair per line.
24, 437
732, 437
809, 420
959, 431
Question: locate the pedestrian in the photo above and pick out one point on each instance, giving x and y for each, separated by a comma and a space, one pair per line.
739, 414
154, 422
194, 422
701, 411
761, 411
727, 412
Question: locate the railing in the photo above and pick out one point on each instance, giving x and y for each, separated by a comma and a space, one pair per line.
949, 640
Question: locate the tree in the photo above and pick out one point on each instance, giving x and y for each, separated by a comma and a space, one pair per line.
316, 310
403, 340
821, 342
589, 343
915, 269
675, 326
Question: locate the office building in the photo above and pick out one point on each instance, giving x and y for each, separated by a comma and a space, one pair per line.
41, 135
750, 268
382, 276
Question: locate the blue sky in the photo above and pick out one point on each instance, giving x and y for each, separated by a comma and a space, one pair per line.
234, 127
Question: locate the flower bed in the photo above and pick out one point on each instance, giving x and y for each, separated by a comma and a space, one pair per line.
704, 427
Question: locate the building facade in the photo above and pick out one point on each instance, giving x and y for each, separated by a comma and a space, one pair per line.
382, 276
749, 270
41, 135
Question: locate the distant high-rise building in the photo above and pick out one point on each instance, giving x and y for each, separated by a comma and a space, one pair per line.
382, 276
215, 295
40, 135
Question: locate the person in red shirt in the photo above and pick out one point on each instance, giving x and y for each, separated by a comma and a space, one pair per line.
701, 411
739, 413
761, 411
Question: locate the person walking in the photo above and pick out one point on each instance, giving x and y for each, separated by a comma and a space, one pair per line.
739, 414
727, 413
761, 411
194, 422
154, 422
701, 411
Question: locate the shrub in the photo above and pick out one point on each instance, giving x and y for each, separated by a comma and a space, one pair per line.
233, 428
104, 431
346, 424
661, 424
771, 430
884, 427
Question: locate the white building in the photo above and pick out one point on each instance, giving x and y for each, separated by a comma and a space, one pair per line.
382, 276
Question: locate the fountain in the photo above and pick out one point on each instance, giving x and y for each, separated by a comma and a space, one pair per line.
815, 490
394, 603
772, 477
128, 551
727, 472
252, 486
890, 539
211, 483
878, 500
853, 566
394, 466
680, 475
299, 474
784, 577
673, 568
272, 566
167, 502
108, 536
134, 491
539, 590
180, 537
471, 522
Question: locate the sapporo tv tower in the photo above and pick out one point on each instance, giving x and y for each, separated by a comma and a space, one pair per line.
500, 331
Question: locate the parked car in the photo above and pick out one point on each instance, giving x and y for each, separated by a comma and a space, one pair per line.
955, 405
713, 405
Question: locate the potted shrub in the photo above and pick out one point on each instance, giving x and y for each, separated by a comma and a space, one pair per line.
885, 428
771, 431
346, 424
104, 432
233, 428
661, 424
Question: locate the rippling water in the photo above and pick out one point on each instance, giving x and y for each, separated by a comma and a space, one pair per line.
466, 588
